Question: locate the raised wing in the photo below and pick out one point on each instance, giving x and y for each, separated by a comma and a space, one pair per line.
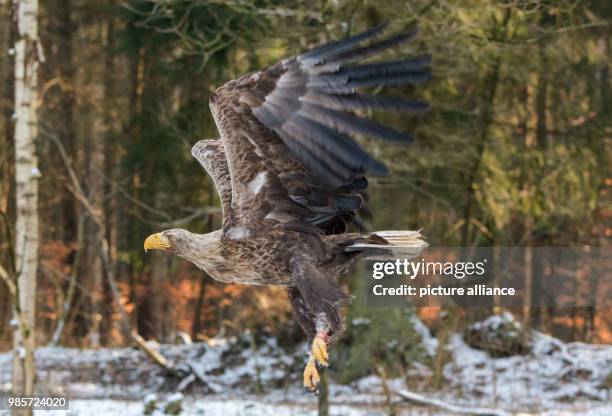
307, 107
287, 130
211, 155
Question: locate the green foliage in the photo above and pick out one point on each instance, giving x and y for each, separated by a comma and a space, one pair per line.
378, 337
198, 28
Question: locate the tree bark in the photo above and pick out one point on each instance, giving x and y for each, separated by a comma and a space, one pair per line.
27, 57
112, 160
96, 182
64, 29
541, 101
543, 238
6, 144
528, 283
197, 313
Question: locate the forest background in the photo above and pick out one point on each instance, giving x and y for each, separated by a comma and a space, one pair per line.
515, 152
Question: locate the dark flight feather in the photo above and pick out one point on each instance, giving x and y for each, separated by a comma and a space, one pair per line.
374, 48
402, 66
320, 53
339, 162
322, 169
344, 149
341, 84
348, 123
364, 101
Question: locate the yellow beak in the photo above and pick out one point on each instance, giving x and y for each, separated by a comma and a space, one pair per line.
156, 242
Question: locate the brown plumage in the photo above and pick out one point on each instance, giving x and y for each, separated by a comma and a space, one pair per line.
290, 177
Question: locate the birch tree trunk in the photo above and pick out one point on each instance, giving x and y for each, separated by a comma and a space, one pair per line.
26, 193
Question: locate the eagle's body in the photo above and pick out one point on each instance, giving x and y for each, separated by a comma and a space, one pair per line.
252, 256
290, 178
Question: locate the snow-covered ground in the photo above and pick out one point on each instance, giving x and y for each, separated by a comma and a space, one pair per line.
253, 407
553, 372
229, 377
206, 407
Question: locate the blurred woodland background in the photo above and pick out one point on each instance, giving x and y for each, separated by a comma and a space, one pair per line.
515, 152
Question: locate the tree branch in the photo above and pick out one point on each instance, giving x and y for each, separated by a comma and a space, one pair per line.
428, 401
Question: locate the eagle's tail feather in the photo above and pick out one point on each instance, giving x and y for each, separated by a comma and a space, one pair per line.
389, 243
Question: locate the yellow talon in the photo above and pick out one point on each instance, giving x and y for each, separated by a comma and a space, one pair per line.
311, 376
319, 352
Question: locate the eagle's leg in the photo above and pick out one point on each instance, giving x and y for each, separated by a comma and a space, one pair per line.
316, 301
317, 330
318, 349
318, 357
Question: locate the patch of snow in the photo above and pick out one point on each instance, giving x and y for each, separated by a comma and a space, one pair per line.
430, 344
227, 406
151, 397
553, 373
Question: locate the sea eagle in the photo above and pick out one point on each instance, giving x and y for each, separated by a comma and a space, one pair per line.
291, 178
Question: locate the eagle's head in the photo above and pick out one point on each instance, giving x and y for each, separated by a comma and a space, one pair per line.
174, 241
203, 250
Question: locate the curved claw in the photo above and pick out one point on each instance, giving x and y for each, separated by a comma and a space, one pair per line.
311, 376
319, 352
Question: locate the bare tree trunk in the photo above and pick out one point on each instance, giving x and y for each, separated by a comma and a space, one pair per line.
152, 316
528, 282
96, 184
197, 313
541, 101
6, 144
132, 129
68, 300
27, 56
112, 160
64, 29
543, 238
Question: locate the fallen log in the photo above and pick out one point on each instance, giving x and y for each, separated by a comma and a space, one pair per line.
464, 410
153, 354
